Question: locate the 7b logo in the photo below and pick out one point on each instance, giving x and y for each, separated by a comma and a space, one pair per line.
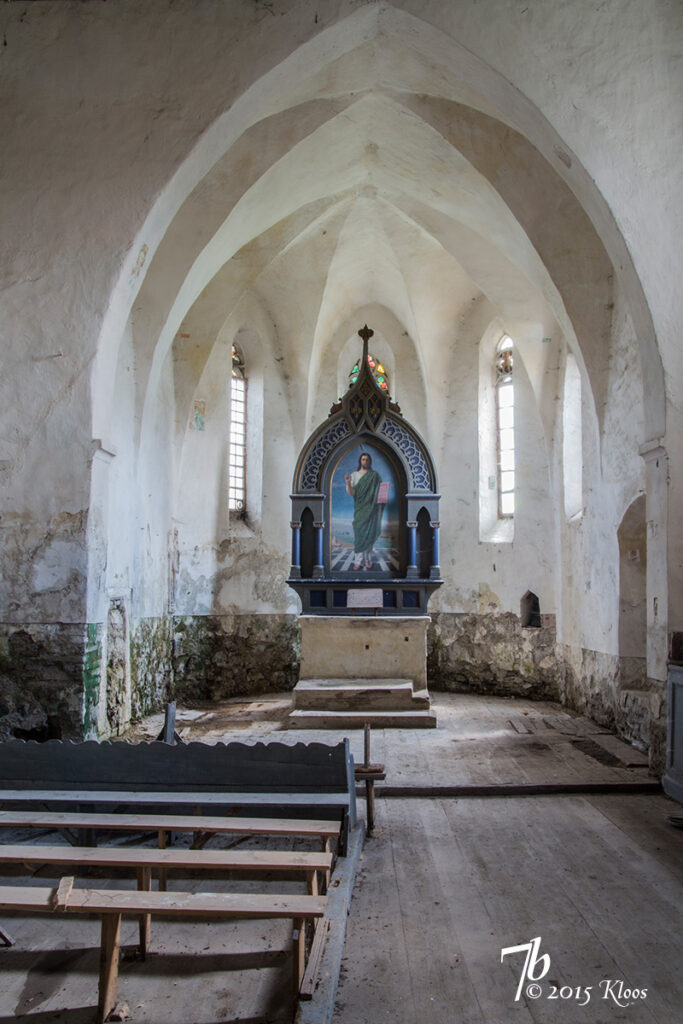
531, 962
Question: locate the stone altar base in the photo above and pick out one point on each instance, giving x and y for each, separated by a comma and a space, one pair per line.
364, 669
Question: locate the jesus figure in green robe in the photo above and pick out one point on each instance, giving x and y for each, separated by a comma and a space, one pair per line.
363, 486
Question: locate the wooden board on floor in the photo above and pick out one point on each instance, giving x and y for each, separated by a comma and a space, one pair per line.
627, 754
571, 726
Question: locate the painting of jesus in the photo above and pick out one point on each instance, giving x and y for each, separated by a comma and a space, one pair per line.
364, 513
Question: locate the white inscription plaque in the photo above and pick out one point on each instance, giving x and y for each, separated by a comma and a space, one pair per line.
365, 598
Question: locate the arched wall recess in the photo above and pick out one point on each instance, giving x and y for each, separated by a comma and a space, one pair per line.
201, 504
632, 540
572, 439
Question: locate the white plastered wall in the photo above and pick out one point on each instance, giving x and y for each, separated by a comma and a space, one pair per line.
158, 145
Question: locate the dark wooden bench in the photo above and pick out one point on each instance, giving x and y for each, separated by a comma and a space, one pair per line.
263, 779
112, 904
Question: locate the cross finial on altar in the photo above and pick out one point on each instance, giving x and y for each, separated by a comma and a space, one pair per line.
365, 333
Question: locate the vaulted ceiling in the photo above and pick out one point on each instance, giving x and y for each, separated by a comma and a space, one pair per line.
381, 181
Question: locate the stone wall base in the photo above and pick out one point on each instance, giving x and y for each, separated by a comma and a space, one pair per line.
61, 680
616, 693
49, 678
54, 676
215, 657
151, 665
494, 654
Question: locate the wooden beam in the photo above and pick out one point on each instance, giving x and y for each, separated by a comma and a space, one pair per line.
369, 771
222, 798
143, 860
161, 843
110, 949
206, 905
144, 885
296, 861
171, 822
112, 904
310, 978
298, 954
168, 733
62, 893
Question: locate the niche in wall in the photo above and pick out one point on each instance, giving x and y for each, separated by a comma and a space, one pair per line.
307, 544
424, 544
632, 581
530, 611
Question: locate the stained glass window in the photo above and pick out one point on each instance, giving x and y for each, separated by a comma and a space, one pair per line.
505, 412
237, 459
378, 372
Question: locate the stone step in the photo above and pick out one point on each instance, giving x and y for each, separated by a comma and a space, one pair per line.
300, 719
335, 683
344, 696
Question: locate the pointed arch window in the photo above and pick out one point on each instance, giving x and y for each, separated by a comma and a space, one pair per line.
378, 371
505, 422
237, 459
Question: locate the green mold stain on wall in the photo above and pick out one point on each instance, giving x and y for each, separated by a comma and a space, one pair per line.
92, 665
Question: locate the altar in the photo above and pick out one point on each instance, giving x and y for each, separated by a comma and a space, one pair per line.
365, 562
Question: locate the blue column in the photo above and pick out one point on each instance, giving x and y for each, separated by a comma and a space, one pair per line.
411, 571
318, 567
435, 570
295, 571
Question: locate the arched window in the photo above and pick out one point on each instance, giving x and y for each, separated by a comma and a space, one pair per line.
505, 421
237, 460
378, 372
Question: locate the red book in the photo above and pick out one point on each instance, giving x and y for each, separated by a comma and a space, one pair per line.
383, 492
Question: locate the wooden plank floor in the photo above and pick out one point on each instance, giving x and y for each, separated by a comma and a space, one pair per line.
445, 884
478, 741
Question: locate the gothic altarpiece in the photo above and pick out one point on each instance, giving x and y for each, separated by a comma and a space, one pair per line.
365, 561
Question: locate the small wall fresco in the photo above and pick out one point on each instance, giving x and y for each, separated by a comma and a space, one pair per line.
198, 420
